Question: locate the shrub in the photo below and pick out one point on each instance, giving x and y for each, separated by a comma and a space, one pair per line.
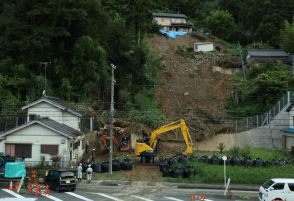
235, 151
245, 152
221, 147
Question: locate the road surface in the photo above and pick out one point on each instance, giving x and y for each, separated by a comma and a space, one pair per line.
92, 192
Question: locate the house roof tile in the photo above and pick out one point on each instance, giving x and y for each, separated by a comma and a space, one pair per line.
55, 102
169, 15
50, 124
267, 53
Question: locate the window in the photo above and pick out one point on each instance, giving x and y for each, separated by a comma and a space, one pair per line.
51, 149
291, 186
10, 149
19, 150
76, 145
32, 117
278, 186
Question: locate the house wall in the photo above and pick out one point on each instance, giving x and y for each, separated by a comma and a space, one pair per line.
289, 142
166, 21
46, 110
207, 47
37, 135
71, 120
54, 113
291, 118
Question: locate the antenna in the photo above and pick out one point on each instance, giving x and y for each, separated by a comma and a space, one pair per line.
45, 76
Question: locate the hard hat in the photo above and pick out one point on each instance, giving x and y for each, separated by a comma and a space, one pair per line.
89, 165
80, 164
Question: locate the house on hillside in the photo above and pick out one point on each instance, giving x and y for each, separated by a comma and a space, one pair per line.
172, 22
264, 55
52, 129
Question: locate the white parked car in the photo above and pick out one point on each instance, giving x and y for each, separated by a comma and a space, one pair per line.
279, 189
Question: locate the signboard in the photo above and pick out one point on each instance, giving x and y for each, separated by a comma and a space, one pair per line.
15, 169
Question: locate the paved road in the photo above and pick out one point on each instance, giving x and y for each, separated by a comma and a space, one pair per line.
87, 192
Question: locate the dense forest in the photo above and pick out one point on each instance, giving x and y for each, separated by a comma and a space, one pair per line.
66, 46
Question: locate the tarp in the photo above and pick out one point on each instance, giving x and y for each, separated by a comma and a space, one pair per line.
288, 130
172, 34
14, 169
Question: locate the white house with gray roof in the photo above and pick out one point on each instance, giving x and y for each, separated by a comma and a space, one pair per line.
172, 22
52, 129
264, 55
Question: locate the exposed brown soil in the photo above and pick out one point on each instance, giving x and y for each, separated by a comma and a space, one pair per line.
189, 88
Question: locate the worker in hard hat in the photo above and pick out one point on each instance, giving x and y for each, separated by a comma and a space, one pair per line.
89, 173
80, 172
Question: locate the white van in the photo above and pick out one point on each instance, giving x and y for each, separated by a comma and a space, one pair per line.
279, 189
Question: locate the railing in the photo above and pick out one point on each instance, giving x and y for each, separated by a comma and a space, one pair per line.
262, 119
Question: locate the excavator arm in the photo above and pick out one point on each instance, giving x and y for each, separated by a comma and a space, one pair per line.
149, 149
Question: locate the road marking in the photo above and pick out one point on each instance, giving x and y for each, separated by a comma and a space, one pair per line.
51, 197
78, 196
207, 200
13, 193
171, 198
110, 197
141, 198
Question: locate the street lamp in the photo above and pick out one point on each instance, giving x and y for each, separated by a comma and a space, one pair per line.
225, 174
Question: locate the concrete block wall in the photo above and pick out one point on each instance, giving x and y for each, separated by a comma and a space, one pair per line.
269, 136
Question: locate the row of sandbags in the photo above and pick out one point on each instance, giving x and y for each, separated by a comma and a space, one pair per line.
170, 167
125, 164
238, 161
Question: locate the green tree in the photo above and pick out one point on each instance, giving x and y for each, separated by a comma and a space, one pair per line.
222, 24
287, 36
89, 66
266, 83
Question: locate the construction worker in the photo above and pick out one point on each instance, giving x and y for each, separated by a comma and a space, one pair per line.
80, 172
89, 173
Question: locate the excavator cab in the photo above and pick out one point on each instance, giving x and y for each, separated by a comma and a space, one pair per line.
125, 143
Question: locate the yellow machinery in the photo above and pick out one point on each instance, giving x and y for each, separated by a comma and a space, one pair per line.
147, 148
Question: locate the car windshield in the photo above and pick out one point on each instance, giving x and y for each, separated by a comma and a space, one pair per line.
67, 174
267, 184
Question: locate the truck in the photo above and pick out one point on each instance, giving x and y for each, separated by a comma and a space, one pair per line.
147, 148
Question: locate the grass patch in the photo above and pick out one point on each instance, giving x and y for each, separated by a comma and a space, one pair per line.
239, 175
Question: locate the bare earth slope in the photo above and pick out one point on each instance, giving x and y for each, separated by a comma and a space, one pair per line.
189, 88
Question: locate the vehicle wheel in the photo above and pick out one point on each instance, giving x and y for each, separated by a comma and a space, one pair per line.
57, 189
73, 189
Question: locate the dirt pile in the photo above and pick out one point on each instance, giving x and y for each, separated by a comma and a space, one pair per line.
189, 88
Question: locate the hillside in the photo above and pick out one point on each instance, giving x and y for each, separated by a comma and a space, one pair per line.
189, 87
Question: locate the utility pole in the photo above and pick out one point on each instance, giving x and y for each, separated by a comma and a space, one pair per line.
242, 62
113, 67
45, 75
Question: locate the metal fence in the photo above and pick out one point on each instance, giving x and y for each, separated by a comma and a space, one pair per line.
262, 119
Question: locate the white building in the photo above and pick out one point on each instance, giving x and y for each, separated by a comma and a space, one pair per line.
52, 129
203, 47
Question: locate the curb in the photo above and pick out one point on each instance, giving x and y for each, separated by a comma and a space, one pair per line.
172, 185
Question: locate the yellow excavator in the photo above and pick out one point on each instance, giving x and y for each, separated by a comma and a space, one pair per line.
147, 148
